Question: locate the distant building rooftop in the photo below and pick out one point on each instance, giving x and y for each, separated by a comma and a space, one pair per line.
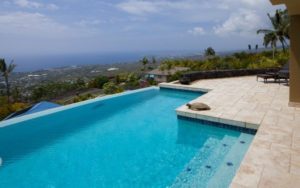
41, 106
113, 69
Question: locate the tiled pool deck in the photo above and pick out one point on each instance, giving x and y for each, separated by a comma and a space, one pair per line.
273, 159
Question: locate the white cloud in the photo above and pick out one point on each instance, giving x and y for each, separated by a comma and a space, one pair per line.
185, 11
37, 25
27, 4
52, 6
33, 4
154, 6
243, 22
225, 17
87, 23
145, 7
138, 7
197, 31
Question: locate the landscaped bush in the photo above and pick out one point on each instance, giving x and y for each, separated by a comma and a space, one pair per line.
6, 108
264, 62
83, 97
112, 88
98, 82
52, 90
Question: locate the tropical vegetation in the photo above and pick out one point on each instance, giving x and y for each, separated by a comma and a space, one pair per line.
112, 88
6, 70
240, 60
7, 107
280, 31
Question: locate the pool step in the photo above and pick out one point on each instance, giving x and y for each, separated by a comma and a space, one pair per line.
203, 166
234, 157
195, 163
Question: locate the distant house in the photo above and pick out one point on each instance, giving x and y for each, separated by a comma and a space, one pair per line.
112, 69
162, 75
41, 106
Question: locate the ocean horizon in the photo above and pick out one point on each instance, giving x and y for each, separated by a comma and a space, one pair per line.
31, 63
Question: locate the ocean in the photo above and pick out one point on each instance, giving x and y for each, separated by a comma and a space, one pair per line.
27, 63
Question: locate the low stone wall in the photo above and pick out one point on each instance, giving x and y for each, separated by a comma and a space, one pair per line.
189, 77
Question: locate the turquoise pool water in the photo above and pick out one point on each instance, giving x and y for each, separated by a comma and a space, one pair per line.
132, 140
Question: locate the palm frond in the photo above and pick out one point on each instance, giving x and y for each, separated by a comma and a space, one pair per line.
264, 31
273, 21
11, 67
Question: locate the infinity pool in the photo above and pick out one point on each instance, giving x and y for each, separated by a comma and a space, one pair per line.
129, 140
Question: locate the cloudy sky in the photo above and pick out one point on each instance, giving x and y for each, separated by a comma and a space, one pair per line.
81, 26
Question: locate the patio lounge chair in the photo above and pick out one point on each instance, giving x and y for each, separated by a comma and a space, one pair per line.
283, 73
266, 77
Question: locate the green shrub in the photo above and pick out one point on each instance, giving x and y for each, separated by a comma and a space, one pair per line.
112, 88
98, 82
83, 97
6, 108
241, 60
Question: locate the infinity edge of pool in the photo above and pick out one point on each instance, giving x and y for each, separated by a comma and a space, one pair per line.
16, 120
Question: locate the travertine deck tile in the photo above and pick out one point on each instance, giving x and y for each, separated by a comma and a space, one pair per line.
248, 175
275, 179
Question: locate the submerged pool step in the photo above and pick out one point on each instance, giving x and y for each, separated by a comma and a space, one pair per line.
195, 163
231, 162
203, 166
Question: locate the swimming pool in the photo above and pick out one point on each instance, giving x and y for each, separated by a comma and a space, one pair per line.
128, 140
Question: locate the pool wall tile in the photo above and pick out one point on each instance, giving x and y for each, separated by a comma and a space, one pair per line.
220, 125
232, 122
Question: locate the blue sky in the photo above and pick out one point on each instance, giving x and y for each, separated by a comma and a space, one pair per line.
88, 26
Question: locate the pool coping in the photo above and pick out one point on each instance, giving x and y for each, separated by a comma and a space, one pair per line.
16, 120
206, 115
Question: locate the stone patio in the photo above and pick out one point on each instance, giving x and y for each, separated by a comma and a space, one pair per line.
273, 159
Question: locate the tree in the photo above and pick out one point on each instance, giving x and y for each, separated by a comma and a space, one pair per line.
6, 69
132, 81
154, 60
209, 52
98, 82
144, 62
169, 67
280, 32
153, 63
112, 88
80, 83
16, 94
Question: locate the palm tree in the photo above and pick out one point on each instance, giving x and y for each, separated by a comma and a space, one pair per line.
280, 32
144, 62
154, 61
6, 69
209, 52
